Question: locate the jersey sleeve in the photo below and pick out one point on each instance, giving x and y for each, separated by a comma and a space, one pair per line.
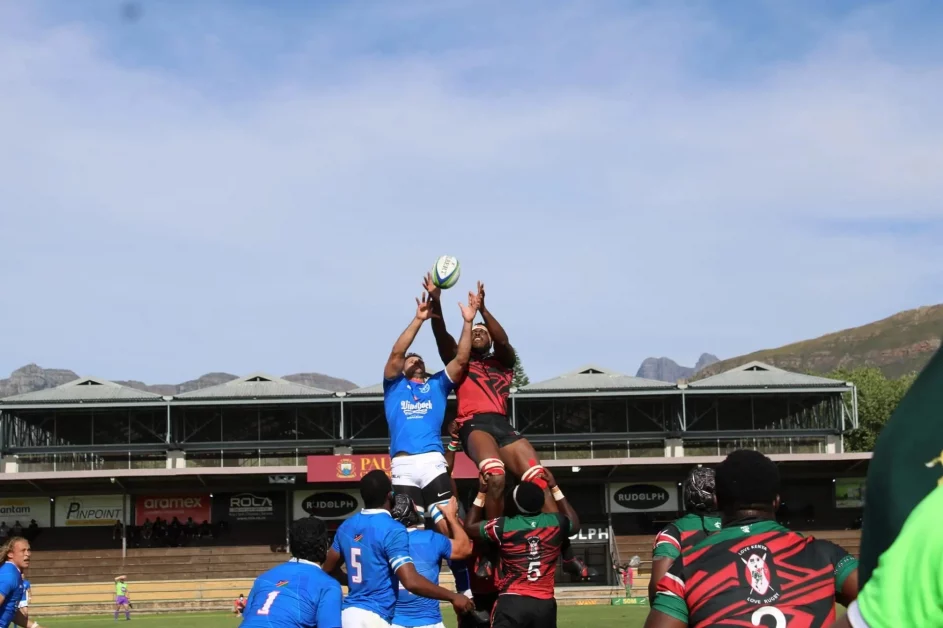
844, 562
391, 383
329, 607
443, 381
445, 547
669, 596
396, 546
8, 581
667, 543
492, 530
336, 545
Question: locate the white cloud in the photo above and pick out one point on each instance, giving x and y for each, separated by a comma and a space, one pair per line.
617, 203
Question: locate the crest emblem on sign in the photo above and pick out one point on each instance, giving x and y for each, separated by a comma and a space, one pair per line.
345, 468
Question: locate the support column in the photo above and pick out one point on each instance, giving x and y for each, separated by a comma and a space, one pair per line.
176, 460
9, 464
833, 444
674, 448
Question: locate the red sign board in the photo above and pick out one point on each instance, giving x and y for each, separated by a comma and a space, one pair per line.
169, 506
352, 468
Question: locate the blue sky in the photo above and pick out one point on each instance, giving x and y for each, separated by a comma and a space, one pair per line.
241, 186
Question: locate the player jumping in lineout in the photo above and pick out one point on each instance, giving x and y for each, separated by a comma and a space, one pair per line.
754, 571
297, 593
415, 410
484, 431
375, 549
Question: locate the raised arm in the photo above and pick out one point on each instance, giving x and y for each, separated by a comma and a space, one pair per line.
458, 366
461, 544
477, 510
443, 339
562, 503
503, 350
397, 359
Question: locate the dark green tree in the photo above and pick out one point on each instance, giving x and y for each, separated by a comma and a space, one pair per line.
878, 397
520, 377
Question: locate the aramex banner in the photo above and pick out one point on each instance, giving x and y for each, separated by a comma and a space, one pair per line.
643, 497
169, 506
352, 468
89, 510
24, 510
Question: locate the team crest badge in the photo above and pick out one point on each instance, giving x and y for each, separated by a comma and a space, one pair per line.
357, 538
281, 583
345, 468
757, 573
533, 546
424, 389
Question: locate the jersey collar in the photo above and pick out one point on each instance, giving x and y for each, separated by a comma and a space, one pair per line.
375, 511
304, 562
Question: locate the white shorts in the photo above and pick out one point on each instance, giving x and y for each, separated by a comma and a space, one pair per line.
438, 625
359, 618
424, 477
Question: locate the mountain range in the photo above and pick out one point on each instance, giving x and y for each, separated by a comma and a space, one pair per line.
32, 377
667, 370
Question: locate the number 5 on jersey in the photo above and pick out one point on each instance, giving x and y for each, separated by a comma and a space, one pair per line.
357, 576
533, 570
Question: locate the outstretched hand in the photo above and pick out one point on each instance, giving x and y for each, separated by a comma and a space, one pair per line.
429, 286
424, 308
481, 296
469, 311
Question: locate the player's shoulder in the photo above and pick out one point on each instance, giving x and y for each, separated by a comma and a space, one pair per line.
9, 570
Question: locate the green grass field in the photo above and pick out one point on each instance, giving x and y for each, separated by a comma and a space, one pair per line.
569, 617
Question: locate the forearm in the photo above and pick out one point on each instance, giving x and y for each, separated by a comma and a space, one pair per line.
443, 339
461, 544
564, 505
394, 365
498, 335
20, 619
418, 585
459, 364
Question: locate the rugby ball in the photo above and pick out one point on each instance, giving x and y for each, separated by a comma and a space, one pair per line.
446, 272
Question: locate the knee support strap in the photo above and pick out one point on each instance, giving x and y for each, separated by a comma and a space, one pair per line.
491, 466
535, 474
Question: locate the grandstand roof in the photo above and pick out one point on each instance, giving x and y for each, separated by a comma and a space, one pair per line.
367, 391
762, 375
591, 378
255, 386
83, 390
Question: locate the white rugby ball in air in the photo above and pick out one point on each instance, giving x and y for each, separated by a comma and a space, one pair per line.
446, 272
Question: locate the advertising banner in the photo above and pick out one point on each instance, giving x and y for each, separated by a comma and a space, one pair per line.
591, 534
352, 468
849, 493
169, 506
89, 510
326, 504
643, 497
249, 506
24, 510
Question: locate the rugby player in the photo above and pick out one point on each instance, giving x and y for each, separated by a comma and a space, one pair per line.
415, 410
528, 544
15, 557
484, 429
677, 537
754, 571
428, 549
121, 597
297, 593
24, 603
376, 551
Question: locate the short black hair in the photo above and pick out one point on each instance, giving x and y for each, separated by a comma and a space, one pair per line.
529, 498
746, 480
375, 488
414, 355
308, 540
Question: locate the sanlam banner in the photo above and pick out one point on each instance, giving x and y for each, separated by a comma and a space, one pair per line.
90, 510
25, 510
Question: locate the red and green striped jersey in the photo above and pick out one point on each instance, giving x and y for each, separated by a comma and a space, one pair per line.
753, 569
683, 534
529, 547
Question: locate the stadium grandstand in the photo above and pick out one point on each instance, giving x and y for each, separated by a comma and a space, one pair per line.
190, 496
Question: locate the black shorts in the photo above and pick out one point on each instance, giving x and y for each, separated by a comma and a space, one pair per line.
484, 602
520, 611
495, 424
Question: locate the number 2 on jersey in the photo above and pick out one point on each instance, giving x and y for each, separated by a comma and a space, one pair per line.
357, 576
268, 603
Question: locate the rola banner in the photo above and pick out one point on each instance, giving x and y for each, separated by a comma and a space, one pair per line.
89, 510
166, 507
24, 510
249, 506
327, 504
644, 497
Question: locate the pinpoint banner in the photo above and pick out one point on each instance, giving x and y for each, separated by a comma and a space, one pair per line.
352, 468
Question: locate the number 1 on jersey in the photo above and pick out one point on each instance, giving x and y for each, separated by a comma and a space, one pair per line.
357, 576
268, 603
